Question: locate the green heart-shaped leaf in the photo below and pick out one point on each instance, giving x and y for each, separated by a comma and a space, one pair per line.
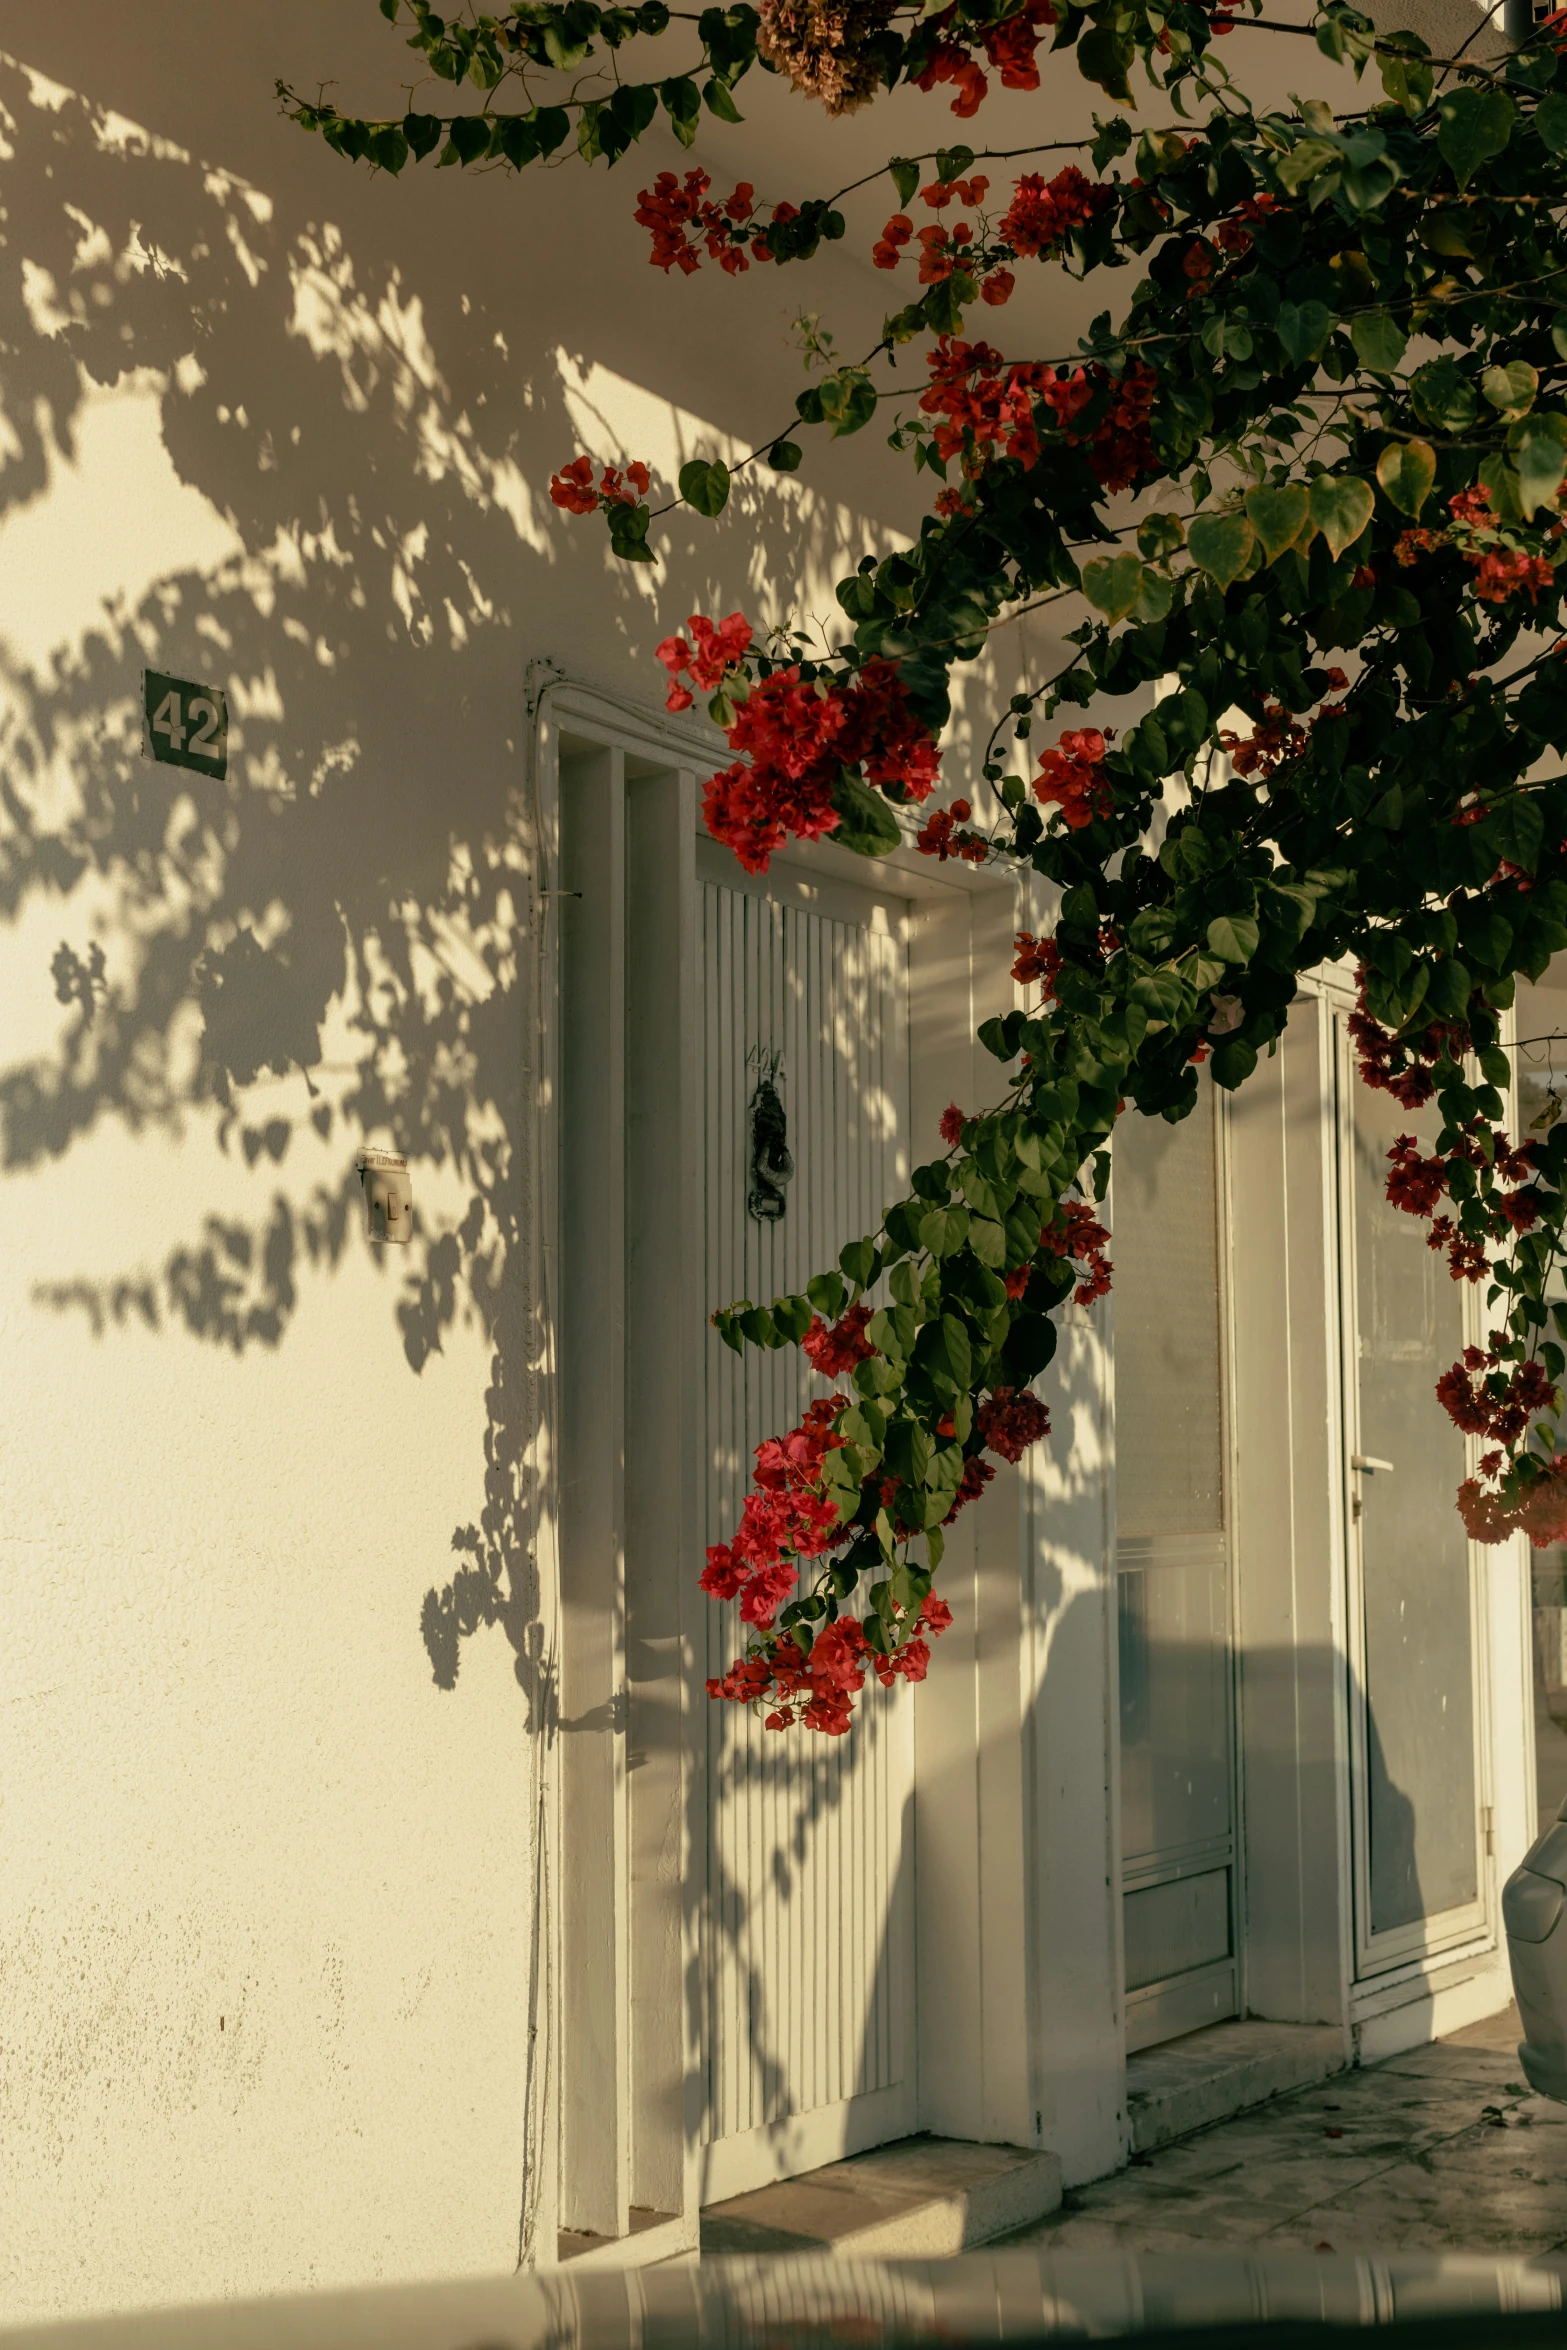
1305, 159
1233, 1062
1539, 451
1511, 388
1160, 534
1154, 597
1278, 517
1475, 125
1164, 994
1302, 327
1380, 342
705, 486
865, 823
1407, 79
1406, 471
1113, 584
1341, 506
1221, 544
1443, 396
1105, 56
905, 178
943, 1230
1234, 937
988, 1241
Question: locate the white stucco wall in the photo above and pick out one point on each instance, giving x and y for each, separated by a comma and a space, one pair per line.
267, 1949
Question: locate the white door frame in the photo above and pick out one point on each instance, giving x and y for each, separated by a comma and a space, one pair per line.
624, 1914
615, 1237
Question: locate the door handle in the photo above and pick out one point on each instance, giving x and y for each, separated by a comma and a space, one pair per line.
1368, 1460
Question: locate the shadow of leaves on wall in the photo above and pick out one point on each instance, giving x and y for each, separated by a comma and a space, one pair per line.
338, 941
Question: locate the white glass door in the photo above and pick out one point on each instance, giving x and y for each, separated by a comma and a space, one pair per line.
1178, 1808
1414, 1618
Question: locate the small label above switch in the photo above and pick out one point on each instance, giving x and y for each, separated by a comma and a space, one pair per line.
389, 1195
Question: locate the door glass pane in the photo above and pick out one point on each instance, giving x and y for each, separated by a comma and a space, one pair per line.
1166, 1255
1174, 1645
1418, 1632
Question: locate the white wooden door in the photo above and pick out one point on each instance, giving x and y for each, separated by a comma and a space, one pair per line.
807, 1940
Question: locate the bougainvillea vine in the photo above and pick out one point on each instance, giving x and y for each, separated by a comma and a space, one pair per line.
1299, 491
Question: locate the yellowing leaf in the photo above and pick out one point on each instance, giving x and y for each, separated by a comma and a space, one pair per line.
1278, 517
1406, 471
1113, 584
1511, 388
1341, 506
1222, 545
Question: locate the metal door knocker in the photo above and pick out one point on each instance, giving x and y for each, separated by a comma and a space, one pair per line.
771, 1164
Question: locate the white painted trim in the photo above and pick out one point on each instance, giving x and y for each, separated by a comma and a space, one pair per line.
643, 1906
643, 2248
1435, 1972
806, 2141
540, 2221
595, 1922
1448, 1999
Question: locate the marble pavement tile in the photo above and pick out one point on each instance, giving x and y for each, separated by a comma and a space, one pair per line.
1441, 2149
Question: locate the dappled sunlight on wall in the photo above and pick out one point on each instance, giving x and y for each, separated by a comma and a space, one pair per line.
264, 1481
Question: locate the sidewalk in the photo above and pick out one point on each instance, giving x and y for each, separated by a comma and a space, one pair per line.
1444, 2149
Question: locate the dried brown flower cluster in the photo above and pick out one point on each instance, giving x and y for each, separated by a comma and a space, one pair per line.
826, 47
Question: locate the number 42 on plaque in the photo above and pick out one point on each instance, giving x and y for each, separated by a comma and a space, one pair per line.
186, 725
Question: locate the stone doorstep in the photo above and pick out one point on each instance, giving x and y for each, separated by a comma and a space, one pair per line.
1221, 2070
920, 2198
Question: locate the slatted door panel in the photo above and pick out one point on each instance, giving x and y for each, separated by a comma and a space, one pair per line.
807, 1920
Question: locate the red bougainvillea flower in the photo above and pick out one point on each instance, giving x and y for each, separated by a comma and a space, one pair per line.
1072, 779
988, 410
684, 222
941, 193
1076, 1232
794, 1461
1037, 958
1043, 213
941, 836
952, 1125
1500, 574
572, 488
1011, 47
720, 647
1415, 1183
800, 738
1537, 1512
835, 1347
984, 406
1010, 1422
1484, 1398
950, 63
